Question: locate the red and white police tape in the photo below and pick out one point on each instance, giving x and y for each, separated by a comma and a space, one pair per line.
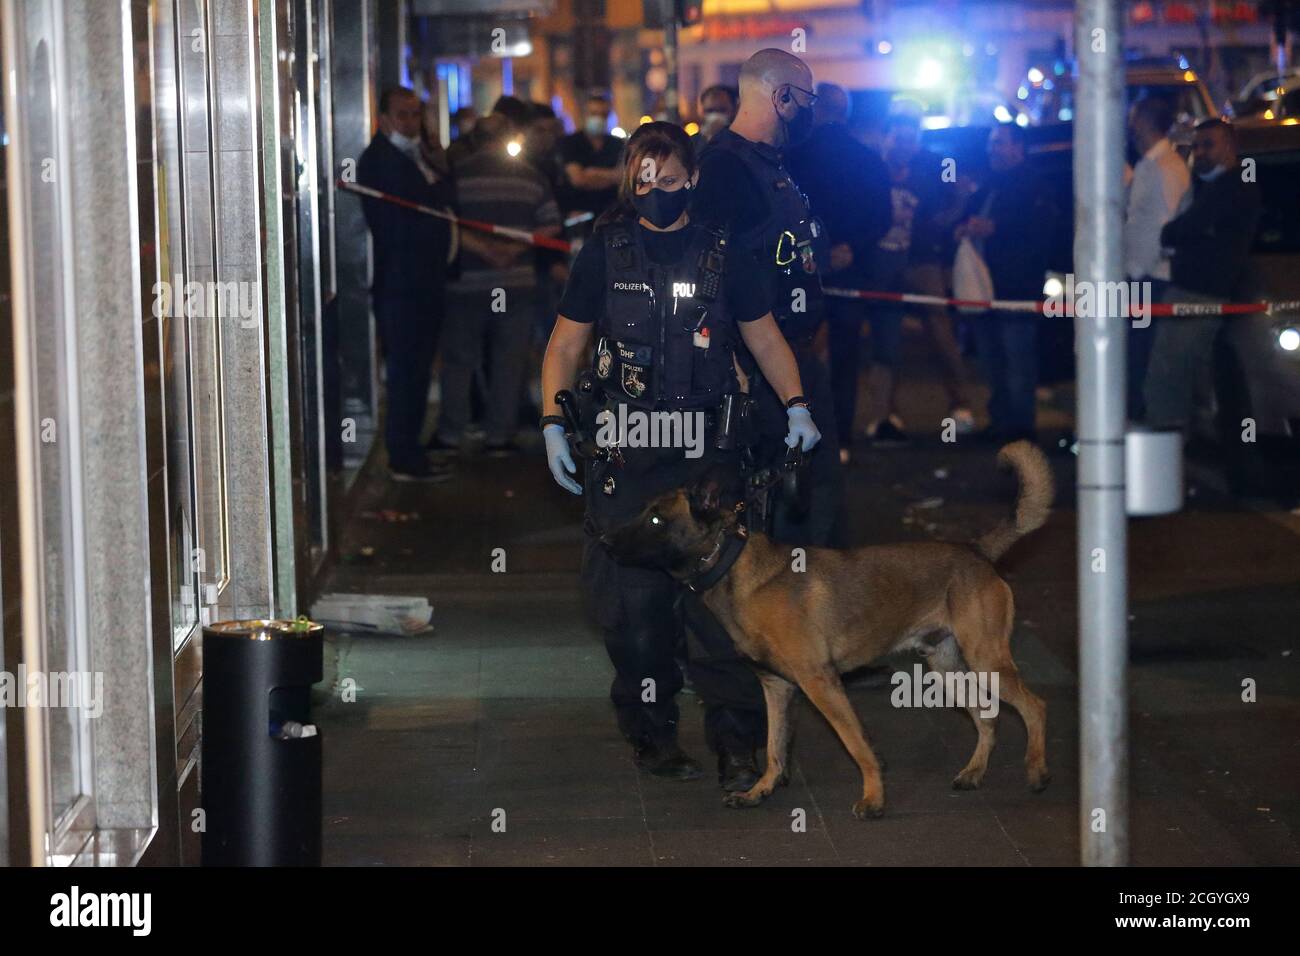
522, 235
907, 298
1067, 309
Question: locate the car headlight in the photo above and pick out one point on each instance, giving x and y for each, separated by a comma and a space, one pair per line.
1288, 339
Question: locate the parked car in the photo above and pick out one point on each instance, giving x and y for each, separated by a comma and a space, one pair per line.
1048, 96
1278, 102
1253, 96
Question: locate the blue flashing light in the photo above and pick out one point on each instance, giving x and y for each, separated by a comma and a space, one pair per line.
929, 73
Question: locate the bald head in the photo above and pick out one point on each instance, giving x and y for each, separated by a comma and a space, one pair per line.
775, 87
832, 104
768, 70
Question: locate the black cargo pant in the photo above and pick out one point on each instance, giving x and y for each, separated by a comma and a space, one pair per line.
643, 612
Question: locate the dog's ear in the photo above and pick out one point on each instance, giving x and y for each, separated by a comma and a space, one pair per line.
709, 494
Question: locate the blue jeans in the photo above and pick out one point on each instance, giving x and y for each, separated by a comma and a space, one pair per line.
1008, 348
1179, 377
1141, 340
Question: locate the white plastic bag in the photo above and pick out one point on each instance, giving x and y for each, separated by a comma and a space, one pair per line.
970, 277
374, 613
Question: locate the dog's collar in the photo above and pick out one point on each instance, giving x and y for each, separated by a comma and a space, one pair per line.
715, 565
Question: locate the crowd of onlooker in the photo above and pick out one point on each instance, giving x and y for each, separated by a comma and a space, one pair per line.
898, 217
482, 302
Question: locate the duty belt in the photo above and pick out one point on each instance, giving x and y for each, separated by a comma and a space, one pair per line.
582, 406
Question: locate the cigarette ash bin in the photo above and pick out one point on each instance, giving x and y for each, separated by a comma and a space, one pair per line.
261, 769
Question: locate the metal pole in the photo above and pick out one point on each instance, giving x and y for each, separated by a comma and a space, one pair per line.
1100, 345
1281, 13
670, 59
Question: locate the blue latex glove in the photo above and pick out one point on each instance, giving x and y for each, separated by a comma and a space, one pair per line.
802, 429
560, 458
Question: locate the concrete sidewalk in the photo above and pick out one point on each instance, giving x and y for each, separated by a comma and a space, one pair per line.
505, 707
502, 714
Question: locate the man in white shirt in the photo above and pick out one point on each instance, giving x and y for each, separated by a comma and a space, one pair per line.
1160, 181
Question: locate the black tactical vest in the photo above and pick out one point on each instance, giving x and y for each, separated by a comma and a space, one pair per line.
666, 338
781, 240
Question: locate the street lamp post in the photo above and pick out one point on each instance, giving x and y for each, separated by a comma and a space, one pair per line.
1102, 522
669, 10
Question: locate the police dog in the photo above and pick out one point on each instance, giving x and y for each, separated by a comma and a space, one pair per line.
846, 608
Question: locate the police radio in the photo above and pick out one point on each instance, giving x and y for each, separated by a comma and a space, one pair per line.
708, 281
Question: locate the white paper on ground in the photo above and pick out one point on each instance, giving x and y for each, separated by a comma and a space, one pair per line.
374, 613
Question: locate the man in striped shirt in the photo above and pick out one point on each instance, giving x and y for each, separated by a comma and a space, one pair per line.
490, 306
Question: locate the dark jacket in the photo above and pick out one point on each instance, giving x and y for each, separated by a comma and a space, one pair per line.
410, 247
847, 185
1018, 252
1212, 238
930, 241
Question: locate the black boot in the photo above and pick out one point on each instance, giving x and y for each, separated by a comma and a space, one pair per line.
666, 760
737, 770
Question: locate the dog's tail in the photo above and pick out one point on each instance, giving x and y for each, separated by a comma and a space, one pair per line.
1032, 504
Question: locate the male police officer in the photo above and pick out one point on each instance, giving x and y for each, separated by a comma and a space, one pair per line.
745, 187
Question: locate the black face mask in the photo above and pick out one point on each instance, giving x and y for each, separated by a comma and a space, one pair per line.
662, 208
797, 129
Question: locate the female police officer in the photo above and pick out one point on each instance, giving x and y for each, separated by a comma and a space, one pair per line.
663, 305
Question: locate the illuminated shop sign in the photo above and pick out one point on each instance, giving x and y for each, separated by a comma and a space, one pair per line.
731, 8
751, 28
1183, 12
